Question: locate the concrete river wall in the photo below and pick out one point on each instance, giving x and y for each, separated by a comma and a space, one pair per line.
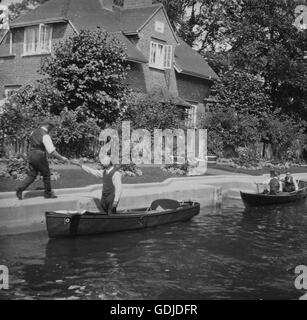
28, 215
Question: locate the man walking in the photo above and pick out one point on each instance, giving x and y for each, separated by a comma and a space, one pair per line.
40, 145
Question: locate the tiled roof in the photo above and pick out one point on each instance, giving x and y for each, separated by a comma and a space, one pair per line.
50, 10
132, 52
88, 14
190, 62
133, 19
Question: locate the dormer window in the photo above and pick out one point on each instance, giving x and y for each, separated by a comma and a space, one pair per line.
160, 55
37, 39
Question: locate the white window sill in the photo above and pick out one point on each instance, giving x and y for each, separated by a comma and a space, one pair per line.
36, 54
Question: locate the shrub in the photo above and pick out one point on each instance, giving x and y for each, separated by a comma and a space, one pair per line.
176, 169
89, 70
17, 169
243, 116
154, 111
84, 89
76, 137
130, 170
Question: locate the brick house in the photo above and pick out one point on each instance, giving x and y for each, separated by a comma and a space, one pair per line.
159, 60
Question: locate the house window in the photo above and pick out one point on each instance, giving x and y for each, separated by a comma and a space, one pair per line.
160, 55
38, 39
192, 116
168, 50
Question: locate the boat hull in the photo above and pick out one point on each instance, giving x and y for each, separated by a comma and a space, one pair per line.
77, 224
257, 200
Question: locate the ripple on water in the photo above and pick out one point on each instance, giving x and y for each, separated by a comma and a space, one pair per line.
230, 254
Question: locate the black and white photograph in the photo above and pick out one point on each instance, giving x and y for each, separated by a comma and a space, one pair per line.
153, 151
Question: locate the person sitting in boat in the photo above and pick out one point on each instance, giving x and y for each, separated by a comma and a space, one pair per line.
290, 184
111, 184
275, 184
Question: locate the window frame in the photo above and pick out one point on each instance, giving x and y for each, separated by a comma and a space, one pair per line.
168, 56
164, 59
40, 42
192, 115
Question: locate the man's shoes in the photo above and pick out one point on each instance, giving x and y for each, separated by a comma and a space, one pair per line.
19, 194
50, 196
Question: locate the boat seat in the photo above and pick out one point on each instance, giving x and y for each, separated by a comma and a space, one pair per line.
166, 204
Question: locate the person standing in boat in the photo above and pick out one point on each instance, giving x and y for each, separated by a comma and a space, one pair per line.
290, 184
111, 184
275, 184
40, 145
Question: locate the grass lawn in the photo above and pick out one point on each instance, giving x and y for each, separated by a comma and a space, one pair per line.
77, 178
254, 172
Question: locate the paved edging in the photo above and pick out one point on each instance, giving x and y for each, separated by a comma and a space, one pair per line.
168, 182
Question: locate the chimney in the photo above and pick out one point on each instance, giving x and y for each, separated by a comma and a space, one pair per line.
136, 3
107, 4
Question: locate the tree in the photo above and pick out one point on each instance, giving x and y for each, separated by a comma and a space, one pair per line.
30, 105
267, 43
240, 102
260, 38
151, 112
88, 71
242, 115
83, 90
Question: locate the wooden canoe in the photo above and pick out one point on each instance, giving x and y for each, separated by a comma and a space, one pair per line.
72, 224
258, 200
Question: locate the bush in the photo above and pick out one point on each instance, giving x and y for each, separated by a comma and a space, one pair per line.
176, 169
23, 112
76, 135
153, 111
17, 169
243, 116
89, 70
130, 170
84, 89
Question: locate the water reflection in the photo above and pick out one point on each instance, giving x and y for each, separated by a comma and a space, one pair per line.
231, 254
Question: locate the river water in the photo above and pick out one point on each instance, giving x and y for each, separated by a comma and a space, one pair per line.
221, 254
